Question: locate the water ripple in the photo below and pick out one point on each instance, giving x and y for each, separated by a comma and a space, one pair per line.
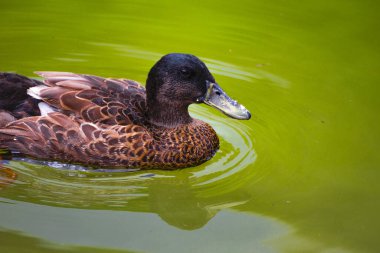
57, 184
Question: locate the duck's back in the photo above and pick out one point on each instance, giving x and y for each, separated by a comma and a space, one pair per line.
102, 122
93, 99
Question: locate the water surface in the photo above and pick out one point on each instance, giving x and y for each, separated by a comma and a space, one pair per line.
300, 176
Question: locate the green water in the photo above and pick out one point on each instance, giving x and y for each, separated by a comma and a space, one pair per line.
300, 176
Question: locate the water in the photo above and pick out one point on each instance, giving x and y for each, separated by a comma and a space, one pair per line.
300, 176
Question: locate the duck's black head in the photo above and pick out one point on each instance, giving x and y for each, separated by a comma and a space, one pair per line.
178, 80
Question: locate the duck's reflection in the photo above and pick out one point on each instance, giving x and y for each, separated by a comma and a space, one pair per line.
174, 197
180, 205
7, 175
177, 204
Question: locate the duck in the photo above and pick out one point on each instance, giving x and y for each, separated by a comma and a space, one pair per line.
113, 122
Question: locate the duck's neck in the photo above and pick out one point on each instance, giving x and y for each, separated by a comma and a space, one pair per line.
168, 115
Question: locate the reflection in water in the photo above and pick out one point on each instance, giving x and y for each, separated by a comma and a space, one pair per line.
175, 202
186, 199
10, 241
138, 231
7, 176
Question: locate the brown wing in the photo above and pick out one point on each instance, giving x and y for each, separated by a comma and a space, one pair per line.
95, 99
60, 137
69, 139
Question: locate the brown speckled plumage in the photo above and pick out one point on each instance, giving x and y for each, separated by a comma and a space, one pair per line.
94, 99
60, 137
115, 122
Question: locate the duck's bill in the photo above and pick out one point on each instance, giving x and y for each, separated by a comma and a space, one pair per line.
218, 99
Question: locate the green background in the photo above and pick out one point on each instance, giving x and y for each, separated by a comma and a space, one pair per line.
300, 176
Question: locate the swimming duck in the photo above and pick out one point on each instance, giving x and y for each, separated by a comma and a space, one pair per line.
108, 122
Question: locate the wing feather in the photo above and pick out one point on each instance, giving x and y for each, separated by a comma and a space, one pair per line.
94, 99
59, 137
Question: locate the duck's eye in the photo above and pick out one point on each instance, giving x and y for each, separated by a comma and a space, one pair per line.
185, 72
